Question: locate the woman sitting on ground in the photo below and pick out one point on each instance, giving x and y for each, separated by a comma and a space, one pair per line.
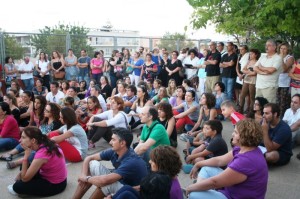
101, 125
37, 115
91, 85
165, 117
93, 108
178, 99
13, 105
105, 87
220, 97
82, 89
71, 137
25, 107
171, 90
47, 174
16, 86
9, 129
162, 96
190, 111
258, 107
65, 86
49, 123
242, 178
39, 89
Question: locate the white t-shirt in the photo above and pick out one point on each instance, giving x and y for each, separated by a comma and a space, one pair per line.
26, 67
290, 118
43, 65
271, 80
190, 72
117, 121
284, 79
55, 98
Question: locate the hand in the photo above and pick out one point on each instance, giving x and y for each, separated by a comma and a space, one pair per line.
54, 139
82, 178
265, 126
189, 159
170, 73
194, 172
18, 177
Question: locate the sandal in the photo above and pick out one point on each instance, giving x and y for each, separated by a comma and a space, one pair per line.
6, 157
11, 165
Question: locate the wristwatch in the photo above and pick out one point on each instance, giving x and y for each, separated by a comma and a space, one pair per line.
87, 178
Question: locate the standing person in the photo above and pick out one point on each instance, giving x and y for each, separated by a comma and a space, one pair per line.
149, 69
58, 66
26, 71
221, 49
174, 68
228, 63
54, 95
136, 63
295, 78
9, 130
248, 88
70, 66
284, 81
212, 62
42, 66
47, 174
192, 60
115, 68
71, 137
268, 68
241, 63
97, 65
10, 70
129, 169
163, 75
84, 66
241, 178
202, 72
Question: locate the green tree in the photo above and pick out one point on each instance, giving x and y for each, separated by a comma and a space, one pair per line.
169, 41
55, 38
13, 48
249, 20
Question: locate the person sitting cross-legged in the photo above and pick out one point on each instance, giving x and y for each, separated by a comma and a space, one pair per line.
129, 169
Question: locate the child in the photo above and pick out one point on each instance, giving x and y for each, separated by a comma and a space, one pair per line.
213, 145
229, 109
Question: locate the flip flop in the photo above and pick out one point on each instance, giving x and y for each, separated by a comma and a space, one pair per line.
6, 158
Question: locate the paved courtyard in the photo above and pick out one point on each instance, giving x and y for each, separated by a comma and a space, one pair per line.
284, 182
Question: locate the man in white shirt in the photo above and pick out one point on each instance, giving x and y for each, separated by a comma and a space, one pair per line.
96, 91
292, 118
55, 95
26, 71
268, 68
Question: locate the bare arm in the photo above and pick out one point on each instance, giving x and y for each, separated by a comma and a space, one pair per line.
142, 147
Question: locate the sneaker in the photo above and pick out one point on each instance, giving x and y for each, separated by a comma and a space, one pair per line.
11, 190
183, 137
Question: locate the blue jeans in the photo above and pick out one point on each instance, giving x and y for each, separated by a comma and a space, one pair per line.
113, 81
84, 75
28, 83
8, 143
20, 150
207, 172
71, 72
229, 83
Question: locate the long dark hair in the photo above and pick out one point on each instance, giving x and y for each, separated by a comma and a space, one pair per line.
69, 117
43, 102
55, 110
35, 133
146, 96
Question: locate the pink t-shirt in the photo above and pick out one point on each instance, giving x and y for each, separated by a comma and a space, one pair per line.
55, 169
98, 63
9, 128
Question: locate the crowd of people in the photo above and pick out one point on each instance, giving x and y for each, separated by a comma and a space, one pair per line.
54, 110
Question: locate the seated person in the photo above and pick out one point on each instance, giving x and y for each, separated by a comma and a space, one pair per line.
129, 98
71, 137
220, 97
178, 99
214, 145
153, 133
72, 92
82, 89
47, 174
84, 115
153, 89
129, 169
162, 96
229, 110
277, 136
39, 89
258, 109
246, 175
100, 125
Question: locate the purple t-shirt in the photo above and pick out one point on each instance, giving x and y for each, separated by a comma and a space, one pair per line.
175, 192
254, 166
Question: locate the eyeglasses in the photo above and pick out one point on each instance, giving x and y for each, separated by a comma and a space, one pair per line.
47, 111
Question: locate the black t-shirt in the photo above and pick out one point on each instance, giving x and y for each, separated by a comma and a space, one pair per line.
106, 91
111, 70
217, 146
229, 72
213, 69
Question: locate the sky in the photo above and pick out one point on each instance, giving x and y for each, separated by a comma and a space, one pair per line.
150, 17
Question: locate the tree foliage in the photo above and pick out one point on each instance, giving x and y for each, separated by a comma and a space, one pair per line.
250, 19
170, 41
13, 48
55, 38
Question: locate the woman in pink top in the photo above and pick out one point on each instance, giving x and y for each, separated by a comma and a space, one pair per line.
37, 115
9, 129
47, 174
97, 64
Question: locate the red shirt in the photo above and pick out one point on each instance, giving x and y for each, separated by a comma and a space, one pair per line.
9, 128
235, 117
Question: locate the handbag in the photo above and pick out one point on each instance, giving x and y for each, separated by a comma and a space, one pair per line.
59, 75
35, 72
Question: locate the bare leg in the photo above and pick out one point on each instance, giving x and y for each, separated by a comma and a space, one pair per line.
97, 194
272, 157
81, 189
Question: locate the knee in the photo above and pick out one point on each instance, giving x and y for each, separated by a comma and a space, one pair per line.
272, 156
